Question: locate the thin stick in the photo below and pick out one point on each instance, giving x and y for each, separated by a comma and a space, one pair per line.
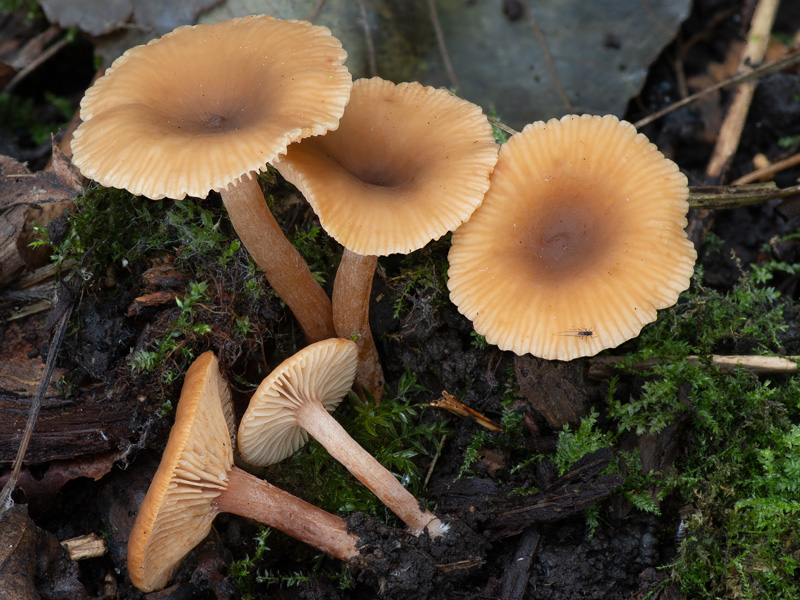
548, 59
765, 69
373, 65
448, 64
603, 366
46, 55
5, 495
503, 126
733, 196
731, 131
770, 171
433, 462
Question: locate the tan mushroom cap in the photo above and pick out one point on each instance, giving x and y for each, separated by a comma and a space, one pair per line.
407, 164
204, 105
177, 511
322, 372
578, 242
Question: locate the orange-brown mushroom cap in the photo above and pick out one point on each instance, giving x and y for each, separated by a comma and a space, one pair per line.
407, 164
322, 372
177, 511
204, 105
578, 242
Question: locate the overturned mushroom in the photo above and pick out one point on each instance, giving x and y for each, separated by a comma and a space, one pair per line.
579, 241
206, 107
196, 481
407, 164
294, 401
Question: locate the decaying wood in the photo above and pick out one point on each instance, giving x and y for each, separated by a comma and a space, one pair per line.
515, 577
603, 366
553, 388
84, 425
34, 407
85, 546
571, 493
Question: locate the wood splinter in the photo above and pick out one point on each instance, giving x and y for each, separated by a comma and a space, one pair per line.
85, 546
455, 406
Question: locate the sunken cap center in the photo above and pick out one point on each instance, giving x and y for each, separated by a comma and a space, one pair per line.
568, 236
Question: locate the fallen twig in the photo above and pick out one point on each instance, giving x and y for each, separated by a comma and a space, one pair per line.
373, 64
455, 406
731, 131
603, 366
770, 171
765, 69
448, 64
60, 316
732, 196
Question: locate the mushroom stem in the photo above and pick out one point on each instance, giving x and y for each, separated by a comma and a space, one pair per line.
254, 498
286, 271
318, 422
351, 293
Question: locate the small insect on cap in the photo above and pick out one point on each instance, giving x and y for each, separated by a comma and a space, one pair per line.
582, 231
204, 105
407, 164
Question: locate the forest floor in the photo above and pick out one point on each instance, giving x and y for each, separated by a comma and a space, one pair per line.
655, 476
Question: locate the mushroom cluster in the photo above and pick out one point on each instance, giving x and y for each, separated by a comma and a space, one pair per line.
565, 245
407, 164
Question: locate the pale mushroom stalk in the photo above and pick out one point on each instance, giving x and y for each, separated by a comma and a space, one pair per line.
286, 271
254, 498
294, 401
320, 425
406, 165
351, 294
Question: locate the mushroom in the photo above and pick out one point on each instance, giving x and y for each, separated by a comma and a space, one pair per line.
579, 241
197, 480
205, 108
295, 401
407, 164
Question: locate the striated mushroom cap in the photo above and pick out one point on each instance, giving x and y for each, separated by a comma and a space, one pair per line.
322, 372
204, 105
578, 242
407, 164
177, 511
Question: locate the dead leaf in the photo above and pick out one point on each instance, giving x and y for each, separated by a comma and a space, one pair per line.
95, 17
18, 537
600, 50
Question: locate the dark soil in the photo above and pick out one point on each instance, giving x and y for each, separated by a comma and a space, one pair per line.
490, 534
